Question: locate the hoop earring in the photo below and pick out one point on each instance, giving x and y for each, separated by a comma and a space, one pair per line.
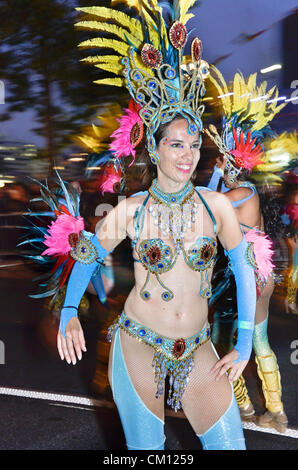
154, 158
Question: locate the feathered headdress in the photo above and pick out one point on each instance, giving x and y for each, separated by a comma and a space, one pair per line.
246, 110
148, 60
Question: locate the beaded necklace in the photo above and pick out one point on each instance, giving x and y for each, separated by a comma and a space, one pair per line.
173, 213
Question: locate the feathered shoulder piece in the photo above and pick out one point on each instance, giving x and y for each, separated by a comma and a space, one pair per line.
51, 245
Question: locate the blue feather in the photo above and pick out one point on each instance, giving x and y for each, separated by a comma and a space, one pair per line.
66, 195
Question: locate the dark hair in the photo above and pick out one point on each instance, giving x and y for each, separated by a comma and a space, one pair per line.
148, 169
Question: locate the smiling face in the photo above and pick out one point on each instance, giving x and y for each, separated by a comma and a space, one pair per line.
179, 153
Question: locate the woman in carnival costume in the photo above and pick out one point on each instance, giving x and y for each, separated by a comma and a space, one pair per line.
244, 128
290, 218
173, 226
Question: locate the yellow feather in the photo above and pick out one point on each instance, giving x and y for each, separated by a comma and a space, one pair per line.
286, 141
185, 5
251, 82
285, 145
111, 28
154, 33
113, 68
129, 3
271, 91
101, 58
223, 90
120, 47
115, 60
247, 91
137, 3
237, 93
219, 92
111, 81
96, 130
88, 142
97, 137
133, 25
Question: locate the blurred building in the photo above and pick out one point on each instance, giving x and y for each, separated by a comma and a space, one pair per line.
16, 160
71, 164
20, 160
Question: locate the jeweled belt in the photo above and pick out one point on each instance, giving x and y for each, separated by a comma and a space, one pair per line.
173, 357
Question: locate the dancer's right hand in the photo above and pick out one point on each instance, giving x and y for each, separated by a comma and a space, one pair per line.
70, 348
221, 162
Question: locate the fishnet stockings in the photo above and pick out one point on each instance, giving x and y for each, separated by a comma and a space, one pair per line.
205, 400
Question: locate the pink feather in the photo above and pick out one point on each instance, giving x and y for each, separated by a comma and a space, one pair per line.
108, 184
59, 231
121, 144
262, 246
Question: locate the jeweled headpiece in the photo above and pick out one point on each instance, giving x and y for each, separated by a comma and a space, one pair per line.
149, 62
246, 110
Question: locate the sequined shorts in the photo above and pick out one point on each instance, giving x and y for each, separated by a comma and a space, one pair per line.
172, 357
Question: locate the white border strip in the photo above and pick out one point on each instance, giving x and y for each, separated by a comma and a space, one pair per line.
79, 400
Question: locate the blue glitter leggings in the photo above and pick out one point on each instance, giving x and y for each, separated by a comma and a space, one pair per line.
226, 433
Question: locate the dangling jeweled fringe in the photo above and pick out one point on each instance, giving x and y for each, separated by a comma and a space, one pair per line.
178, 372
112, 330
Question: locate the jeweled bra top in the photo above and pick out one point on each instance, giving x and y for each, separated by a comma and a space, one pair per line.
157, 257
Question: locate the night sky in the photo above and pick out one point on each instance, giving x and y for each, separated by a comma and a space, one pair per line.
222, 26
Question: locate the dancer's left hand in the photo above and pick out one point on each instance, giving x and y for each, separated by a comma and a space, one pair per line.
226, 364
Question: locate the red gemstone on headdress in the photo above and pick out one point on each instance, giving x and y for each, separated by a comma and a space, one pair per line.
151, 56
196, 49
178, 35
178, 348
73, 239
136, 134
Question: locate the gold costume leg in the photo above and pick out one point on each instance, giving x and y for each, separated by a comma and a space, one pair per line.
290, 303
268, 372
247, 411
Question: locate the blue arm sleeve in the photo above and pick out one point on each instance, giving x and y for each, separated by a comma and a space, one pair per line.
80, 276
216, 175
246, 298
213, 183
